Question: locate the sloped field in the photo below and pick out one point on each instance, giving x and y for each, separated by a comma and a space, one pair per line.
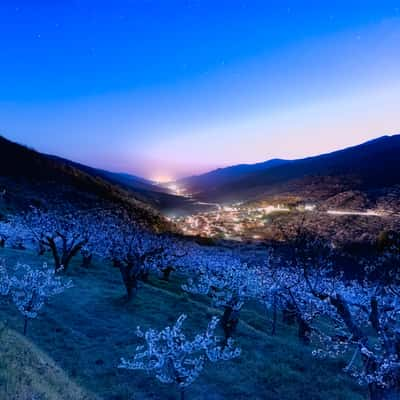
87, 329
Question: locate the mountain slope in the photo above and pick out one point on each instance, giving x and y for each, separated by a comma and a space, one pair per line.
223, 176
146, 191
368, 167
123, 179
29, 177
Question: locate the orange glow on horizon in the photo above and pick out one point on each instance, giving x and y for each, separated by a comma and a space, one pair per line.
162, 178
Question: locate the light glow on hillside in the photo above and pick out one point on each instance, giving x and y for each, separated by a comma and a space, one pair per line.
162, 178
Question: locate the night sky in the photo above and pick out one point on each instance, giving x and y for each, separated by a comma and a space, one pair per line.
170, 88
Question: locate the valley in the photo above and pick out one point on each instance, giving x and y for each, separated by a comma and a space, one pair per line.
336, 196
243, 222
132, 252
274, 218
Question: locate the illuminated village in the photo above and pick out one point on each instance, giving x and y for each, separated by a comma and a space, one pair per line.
250, 221
234, 222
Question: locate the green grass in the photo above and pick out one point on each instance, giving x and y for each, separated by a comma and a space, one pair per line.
27, 373
87, 329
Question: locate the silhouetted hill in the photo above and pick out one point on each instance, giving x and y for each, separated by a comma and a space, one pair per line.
124, 179
146, 191
369, 168
29, 177
224, 176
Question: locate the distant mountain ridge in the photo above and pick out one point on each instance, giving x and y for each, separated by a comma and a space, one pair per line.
367, 167
357, 175
223, 176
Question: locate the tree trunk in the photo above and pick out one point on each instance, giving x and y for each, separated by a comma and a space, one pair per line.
131, 290
182, 394
86, 260
229, 321
25, 325
54, 251
41, 250
69, 254
289, 314
144, 276
166, 273
343, 310
304, 330
129, 279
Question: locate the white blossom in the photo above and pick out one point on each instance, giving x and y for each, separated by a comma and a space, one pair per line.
174, 359
30, 288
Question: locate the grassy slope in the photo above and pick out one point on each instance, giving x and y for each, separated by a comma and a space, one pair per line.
89, 328
27, 373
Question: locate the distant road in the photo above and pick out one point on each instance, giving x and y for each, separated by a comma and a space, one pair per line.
368, 213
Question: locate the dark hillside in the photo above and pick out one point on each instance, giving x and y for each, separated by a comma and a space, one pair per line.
29, 177
223, 176
369, 167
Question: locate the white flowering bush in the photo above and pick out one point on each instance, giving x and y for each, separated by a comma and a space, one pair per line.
174, 359
30, 288
64, 233
366, 319
229, 283
136, 251
363, 316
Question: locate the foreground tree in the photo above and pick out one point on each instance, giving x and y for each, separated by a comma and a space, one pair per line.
366, 318
362, 316
175, 256
365, 322
285, 286
135, 254
308, 254
136, 251
229, 283
176, 360
30, 288
283, 292
63, 233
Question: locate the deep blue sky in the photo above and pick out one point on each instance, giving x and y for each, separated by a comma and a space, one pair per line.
167, 88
